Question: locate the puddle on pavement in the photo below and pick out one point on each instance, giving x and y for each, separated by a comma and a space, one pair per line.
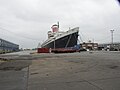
34, 73
114, 67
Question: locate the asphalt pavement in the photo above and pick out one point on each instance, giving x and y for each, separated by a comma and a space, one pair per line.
93, 70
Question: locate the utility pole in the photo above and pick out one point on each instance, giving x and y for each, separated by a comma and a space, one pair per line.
112, 38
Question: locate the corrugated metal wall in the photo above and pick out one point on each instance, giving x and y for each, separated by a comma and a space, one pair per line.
6, 46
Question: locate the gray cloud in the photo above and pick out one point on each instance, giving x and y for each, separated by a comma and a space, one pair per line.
30, 20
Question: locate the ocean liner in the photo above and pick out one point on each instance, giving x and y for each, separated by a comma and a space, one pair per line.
58, 39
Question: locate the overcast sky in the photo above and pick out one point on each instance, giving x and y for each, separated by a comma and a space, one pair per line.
26, 22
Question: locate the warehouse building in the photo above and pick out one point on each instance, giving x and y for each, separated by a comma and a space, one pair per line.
90, 46
6, 46
108, 46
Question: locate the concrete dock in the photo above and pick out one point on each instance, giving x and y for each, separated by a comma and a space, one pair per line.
96, 70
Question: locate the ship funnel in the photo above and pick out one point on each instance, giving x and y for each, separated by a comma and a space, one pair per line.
55, 28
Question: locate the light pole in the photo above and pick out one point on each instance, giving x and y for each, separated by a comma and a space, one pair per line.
111, 38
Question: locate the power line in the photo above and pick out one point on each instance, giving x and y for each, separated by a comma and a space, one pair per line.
18, 34
83, 36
